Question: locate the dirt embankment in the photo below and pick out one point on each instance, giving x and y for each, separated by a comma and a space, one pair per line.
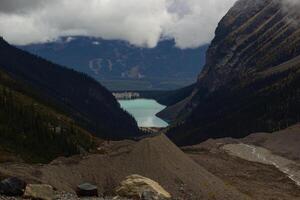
204, 171
156, 158
256, 165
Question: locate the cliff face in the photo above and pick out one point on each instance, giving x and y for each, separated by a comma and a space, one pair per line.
253, 36
251, 79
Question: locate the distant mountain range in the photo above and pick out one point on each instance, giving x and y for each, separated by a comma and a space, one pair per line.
48, 110
121, 66
251, 80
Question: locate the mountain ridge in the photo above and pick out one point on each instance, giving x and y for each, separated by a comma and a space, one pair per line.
89, 103
250, 82
121, 66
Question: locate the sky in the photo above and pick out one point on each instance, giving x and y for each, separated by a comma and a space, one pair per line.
140, 22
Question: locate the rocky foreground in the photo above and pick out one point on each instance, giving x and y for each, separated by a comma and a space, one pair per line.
206, 171
133, 187
156, 158
256, 165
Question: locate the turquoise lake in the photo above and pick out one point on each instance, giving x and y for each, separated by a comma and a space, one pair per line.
144, 111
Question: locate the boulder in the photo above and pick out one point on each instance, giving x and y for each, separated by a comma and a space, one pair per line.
87, 190
150, 195
139, 187
12, 187
39, 191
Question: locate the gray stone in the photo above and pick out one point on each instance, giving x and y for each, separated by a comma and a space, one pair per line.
87, 190
12, 187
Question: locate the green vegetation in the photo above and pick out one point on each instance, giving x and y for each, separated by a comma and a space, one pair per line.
82, 98
168, 98
33, 131
146, 84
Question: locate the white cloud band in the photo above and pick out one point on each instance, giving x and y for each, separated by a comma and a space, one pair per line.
140, 22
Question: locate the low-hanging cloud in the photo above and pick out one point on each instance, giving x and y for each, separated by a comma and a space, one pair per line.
293, 8
140, 22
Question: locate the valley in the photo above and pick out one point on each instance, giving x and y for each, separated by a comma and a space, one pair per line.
152, 104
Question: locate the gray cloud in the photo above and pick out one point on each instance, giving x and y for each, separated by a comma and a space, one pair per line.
140, 22
293, 8
17, 6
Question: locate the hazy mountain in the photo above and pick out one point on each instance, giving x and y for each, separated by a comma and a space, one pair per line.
78, 96
251, 80
121, 66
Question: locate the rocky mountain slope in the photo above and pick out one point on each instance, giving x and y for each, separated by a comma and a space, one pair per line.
120, 66
251, 80
80, 97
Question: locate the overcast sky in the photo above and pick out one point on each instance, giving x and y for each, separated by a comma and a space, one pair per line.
141, 22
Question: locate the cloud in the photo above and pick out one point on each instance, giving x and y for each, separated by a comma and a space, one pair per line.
140, 22
8, 6
292, 7
198, 23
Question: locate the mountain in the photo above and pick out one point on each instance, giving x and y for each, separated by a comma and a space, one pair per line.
34, 131
78, 96
251, 80
121, 66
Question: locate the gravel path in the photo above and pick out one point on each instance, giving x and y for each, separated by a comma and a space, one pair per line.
262, 155
64, 196
61, 196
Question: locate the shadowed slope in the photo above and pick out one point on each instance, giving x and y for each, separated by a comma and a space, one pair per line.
83, 98
251, 80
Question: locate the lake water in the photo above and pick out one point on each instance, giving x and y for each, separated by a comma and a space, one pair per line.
144, 111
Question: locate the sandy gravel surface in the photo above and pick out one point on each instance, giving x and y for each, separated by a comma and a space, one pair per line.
262, 155
156, 158
64, 196
284, 143
259, 181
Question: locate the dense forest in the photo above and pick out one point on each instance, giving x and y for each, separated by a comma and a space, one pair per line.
168, 98
35, 132
84, 99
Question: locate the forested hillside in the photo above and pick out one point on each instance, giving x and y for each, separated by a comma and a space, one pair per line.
84, 99
33, 131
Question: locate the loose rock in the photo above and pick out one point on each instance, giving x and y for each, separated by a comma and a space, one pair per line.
139, 187
12, 187
87, 190
39, 191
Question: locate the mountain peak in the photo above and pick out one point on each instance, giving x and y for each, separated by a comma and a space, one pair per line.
2, 39
254, 57
3, 42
